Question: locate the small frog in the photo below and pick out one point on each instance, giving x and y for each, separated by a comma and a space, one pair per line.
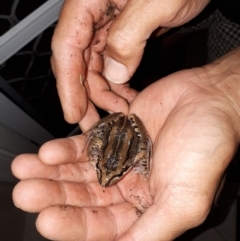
116, 145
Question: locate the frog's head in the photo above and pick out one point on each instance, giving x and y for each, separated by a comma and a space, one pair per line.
110, 173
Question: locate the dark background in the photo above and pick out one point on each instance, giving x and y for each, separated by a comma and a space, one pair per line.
29, 73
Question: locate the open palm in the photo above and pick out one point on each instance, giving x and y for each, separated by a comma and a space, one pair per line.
189, 121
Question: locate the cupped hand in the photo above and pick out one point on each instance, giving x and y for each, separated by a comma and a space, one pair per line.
192, 119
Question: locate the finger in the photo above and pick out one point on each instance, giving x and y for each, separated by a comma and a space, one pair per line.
71, 223
129, 32
28, 166
124, 90
103, 97
70, 44
67, 60
91, 117
133, 188
66, 150
99, 91
33, 195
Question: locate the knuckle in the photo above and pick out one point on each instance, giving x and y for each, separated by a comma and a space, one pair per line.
121, 43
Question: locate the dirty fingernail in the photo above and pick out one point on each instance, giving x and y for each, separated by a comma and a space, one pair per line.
114, 71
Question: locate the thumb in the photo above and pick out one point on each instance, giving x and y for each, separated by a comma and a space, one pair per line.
129, 31
167, 221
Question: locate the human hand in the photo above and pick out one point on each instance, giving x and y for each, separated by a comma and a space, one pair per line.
193, 120
129, 32
60, 181
78, 46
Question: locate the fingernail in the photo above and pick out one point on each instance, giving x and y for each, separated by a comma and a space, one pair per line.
82, 79
114, 71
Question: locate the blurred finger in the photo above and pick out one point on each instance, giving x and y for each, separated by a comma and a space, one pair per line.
71, 223
28, 166
65, 150
33, 195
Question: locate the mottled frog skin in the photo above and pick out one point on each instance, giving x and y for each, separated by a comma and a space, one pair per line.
116, 145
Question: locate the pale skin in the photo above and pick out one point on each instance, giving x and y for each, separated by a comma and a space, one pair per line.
193, 120
79, 45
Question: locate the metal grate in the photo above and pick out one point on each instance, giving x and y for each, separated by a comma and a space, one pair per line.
13, 11
29, 73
